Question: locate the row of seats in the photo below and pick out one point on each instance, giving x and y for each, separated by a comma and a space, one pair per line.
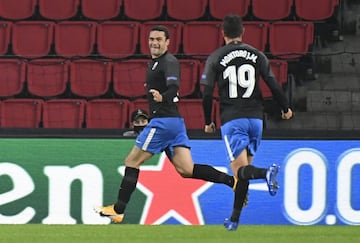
91, 78
183, 10
79, 113
118, 39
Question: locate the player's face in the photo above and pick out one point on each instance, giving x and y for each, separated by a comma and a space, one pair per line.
158, 43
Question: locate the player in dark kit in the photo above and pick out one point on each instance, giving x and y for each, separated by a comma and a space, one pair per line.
166, 130
237, 68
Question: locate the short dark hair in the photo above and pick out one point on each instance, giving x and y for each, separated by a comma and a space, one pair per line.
161, 28
232, 25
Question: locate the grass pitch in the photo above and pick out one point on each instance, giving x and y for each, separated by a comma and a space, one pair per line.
35, 233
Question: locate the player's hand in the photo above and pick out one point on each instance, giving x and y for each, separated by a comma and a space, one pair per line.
287, 115
211, 128
156, 95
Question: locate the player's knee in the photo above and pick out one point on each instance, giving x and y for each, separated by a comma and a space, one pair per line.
184, 173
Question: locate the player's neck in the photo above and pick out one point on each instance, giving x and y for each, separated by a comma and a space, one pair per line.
235, 40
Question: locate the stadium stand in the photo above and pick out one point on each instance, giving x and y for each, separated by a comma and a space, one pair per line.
272, 10
12, 76
218, 9
17, 10
80, 42
107, 113
90, 78
256, 34
58, 9
186, 10
5, 36
117, 39
47, 77
64, 113
175, 29
21, 113
315, 10
189, 76
32, 39
143, 10
101, 10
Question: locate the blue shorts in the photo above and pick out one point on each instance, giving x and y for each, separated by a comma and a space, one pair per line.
163, 134
242, 133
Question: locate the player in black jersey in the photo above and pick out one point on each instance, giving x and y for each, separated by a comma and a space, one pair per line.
236, 67
166, 130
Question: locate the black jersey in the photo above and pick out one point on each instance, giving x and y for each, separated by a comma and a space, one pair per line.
163, 74
236, 68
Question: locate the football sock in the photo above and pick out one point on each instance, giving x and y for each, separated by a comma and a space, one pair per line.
242, 188
250, 172
127, 187
208, 173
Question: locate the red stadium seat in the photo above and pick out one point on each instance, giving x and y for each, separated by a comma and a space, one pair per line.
192, 112
5, 34
47, 77
218, 9
32, 38
75, 38
12, 77
58, 9
107, 113
139, 104
129, 77
17, 10
175, 29
117, 39
290, 39
201, 38
90, 78
64, 113
255, 34
21, 113
101, 10
185, 10
189, 76
315, 10
143, 9
279, 68
272, 10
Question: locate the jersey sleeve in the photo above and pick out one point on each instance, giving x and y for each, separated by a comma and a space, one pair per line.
172, 72
209, 75
269, 78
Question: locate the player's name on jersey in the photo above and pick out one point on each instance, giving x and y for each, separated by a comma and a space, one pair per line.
238, 53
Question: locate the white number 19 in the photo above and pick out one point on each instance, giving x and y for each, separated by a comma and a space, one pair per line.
245, 78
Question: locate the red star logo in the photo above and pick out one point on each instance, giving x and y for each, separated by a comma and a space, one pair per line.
169, 195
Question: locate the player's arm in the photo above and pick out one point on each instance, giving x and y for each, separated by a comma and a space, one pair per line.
172, 75
207, 87
274, 86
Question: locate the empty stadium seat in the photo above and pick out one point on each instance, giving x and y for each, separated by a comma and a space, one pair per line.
272, 10
143, 9
17, 10
218, 9
64, 113
129, 77
256, 34
12, 76
21, 113
75, 38
117, 39
189, 76
58, 9
32, 38
192, 112
101, 10
315, 10
5, 36
107, 113
175, 29
279, 68
290, 39
90, 78
47, 77
186, 9
139, 104
200, 38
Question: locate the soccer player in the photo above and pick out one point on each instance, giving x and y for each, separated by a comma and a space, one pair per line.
166, 130
236, 67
